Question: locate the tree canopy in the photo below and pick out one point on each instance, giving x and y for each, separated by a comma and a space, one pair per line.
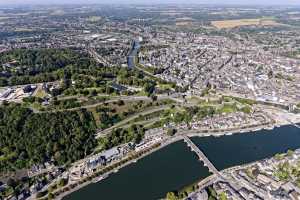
28, 138
23, 66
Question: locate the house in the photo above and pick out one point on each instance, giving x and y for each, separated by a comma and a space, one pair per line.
202, 195
111, 154
93, 163
118, 87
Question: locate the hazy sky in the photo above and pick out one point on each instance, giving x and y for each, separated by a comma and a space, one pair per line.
252, 2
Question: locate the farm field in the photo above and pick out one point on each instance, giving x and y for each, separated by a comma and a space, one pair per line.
243, 22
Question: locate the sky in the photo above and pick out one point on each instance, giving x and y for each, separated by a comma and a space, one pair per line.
240, 2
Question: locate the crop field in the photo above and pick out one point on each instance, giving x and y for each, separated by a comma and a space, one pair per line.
243, 22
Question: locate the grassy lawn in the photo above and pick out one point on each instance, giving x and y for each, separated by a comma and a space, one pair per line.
142, 93
228, 109
40, 93
125, 109
165, 86
147, 69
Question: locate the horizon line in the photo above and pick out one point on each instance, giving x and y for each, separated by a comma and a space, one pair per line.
144, 3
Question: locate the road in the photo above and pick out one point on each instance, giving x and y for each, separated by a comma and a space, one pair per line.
144, 71
143, 122
124, 98
201, 156
107, 131
97, 57
18, 86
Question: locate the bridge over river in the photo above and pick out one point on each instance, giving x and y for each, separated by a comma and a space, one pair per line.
217, 176
292, 123
201, 156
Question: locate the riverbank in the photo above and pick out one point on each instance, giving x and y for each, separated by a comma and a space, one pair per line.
256, 177
165, 143
218, 133
223, 152
149, 151
267, 126
172, 167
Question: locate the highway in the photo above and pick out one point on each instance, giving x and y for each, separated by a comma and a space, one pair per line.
218, 176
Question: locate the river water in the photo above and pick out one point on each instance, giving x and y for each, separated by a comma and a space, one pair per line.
130, 59
175, 166
167, 169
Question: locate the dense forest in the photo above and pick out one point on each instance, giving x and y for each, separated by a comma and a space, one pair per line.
28, 138
22, 66
35, 61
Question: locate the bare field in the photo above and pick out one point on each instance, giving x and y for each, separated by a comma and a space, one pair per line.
94, 18
170, 13
4, 18
243, 22
184, 23
58, 12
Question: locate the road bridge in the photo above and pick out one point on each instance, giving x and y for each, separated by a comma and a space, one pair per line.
217, 176
291, 122
201, 156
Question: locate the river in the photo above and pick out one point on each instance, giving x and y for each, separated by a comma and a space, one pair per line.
175, 166
135, 48
167, 169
